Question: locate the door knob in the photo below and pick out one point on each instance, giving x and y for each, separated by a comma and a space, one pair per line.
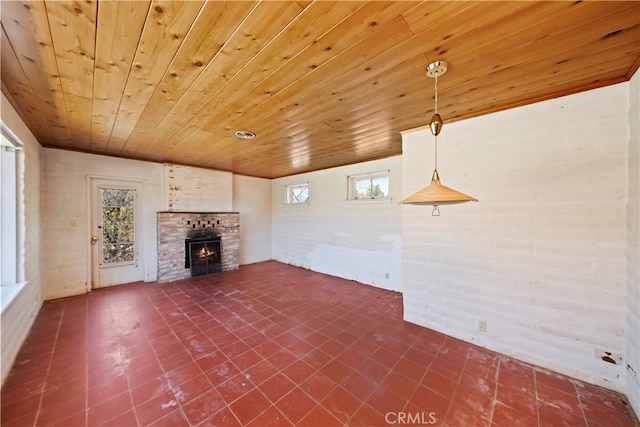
94, 240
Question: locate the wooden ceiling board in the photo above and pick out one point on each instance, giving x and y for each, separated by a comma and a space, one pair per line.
324, 50
239, 51
275, 132
247, 91
398, 52
352, 77
361, 114
27, 27
323, 75
164, 30
20, 92
429, 14
73, 33
322, 83
558, 71
119, 29
519, 47
210, 32
312, 92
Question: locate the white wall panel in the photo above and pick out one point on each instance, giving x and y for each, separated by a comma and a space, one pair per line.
67, 221
541, 257
632, 349
166, 187
191, 189
18, 317
252, 199
356, 240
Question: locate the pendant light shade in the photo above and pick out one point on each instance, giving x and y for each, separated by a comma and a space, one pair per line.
438, 194
435, 193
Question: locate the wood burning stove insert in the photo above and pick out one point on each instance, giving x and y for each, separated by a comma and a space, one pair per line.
203, 255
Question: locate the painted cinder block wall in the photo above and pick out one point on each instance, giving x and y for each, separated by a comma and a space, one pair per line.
66, 215
18, 317
252, 199
632, 345
356, 240
190, 189
541, 257
167, 187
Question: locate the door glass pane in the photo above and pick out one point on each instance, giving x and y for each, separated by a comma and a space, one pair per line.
117, 224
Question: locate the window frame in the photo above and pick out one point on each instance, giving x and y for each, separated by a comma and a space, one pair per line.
12, 216
352, 180
289, 198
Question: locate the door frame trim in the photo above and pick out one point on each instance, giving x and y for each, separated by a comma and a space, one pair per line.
141, 257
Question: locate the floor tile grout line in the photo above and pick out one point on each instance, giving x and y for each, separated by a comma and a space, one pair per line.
535, 387
86, 364
575, 389
494, 400
44, 384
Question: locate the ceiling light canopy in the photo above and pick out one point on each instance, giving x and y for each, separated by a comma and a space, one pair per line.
245, 134
435, 193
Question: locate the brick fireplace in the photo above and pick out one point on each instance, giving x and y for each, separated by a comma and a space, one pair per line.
174, 228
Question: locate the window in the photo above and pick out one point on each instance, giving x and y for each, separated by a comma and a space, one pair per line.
369, 186
11, 215
297, 194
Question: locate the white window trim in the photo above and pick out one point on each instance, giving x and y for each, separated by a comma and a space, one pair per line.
8, 294
287, 199
357, 177
10, 288
361, 202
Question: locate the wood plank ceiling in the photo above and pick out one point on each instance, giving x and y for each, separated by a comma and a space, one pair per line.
321, 83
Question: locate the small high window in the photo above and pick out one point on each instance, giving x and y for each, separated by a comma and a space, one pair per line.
369, 186
297, 194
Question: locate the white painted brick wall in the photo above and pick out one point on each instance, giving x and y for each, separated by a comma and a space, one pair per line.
353, 240
67, 220
191, 189
541, 257
252, 199
632, 344
19, 316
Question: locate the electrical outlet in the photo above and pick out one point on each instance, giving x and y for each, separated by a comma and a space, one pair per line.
482, 325
386, 275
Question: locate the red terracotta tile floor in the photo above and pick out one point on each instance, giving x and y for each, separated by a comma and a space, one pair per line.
274, 345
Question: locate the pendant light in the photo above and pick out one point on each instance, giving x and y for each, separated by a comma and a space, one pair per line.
435, 193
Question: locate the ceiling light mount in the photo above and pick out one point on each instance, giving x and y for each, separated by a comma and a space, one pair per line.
437, 68
245, 134
435, 193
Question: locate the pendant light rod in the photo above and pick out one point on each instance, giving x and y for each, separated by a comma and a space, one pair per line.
435, 85
434, 70
435, 112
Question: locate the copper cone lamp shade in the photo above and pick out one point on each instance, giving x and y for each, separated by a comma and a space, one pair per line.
438, 194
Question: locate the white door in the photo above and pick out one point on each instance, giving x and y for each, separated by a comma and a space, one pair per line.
116, 232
